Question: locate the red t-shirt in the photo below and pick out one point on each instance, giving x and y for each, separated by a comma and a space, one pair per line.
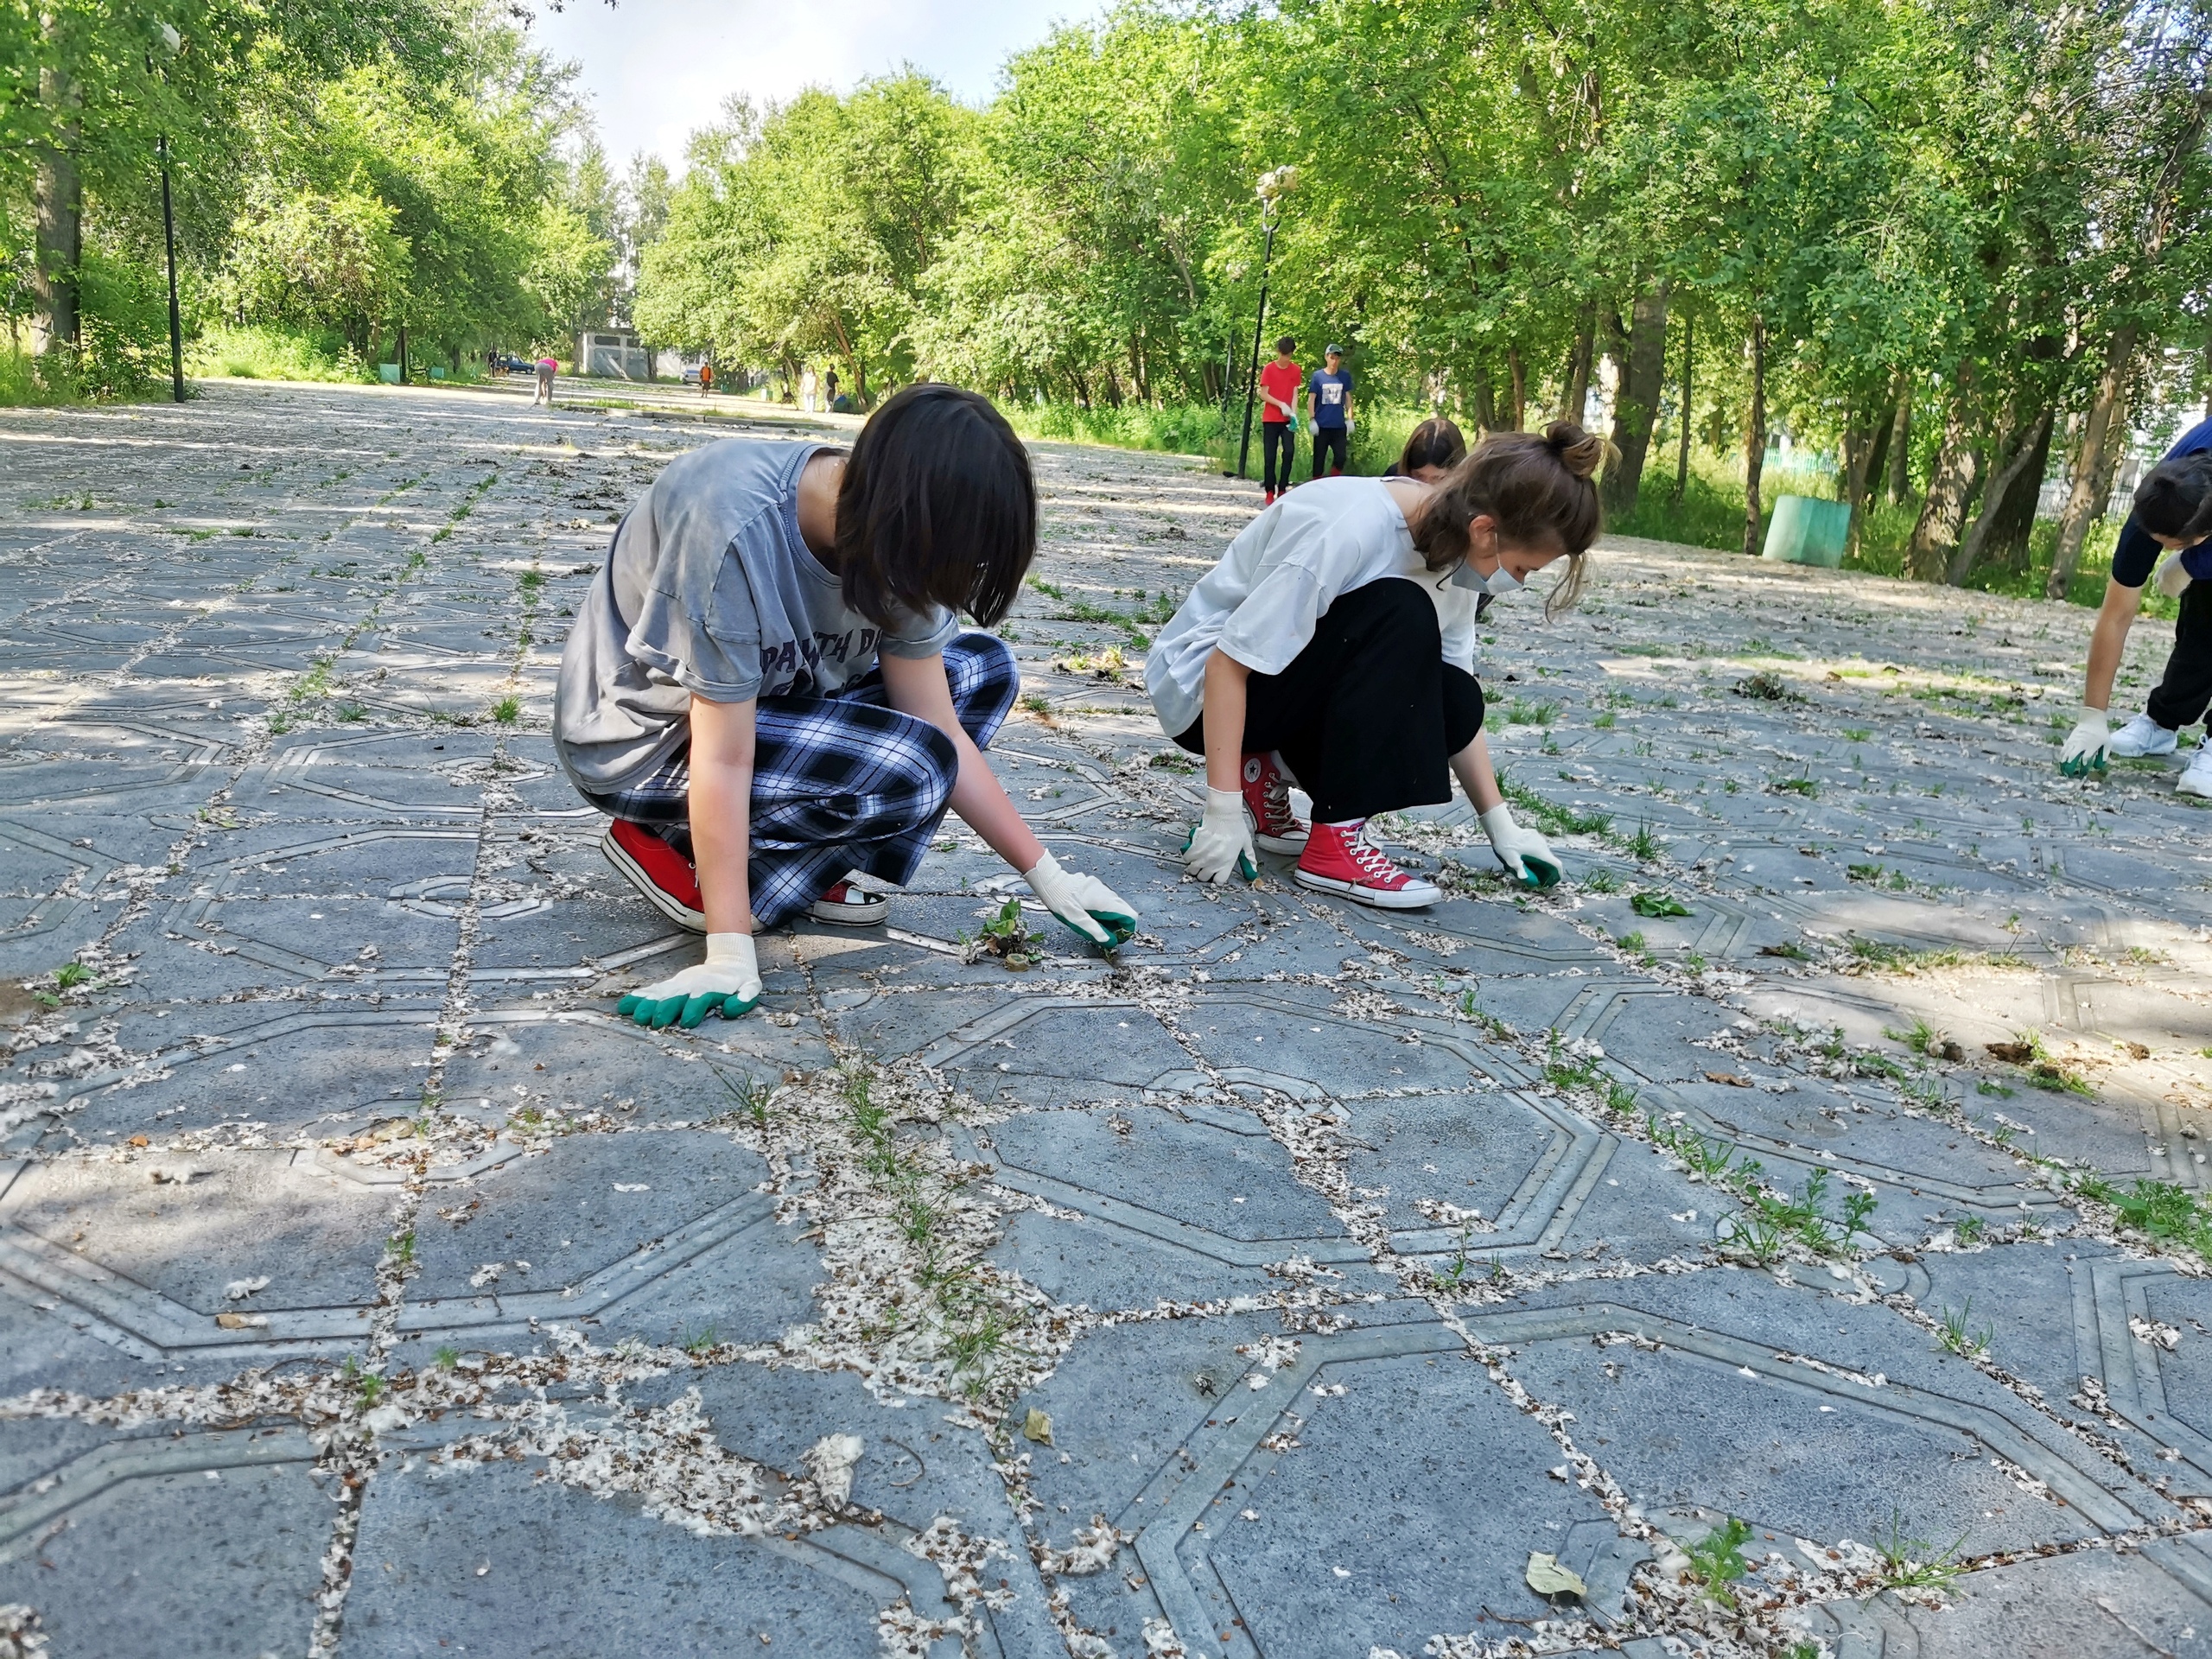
1280, 379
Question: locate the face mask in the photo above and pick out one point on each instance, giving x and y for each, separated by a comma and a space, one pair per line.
1500, 581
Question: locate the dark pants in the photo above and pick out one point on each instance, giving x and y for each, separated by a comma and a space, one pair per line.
1327, 439
2182, 695
1369, 714
1273, 436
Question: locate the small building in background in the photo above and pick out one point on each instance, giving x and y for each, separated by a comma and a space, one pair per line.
614, 355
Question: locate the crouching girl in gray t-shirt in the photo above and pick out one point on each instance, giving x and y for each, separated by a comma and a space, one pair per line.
768, 689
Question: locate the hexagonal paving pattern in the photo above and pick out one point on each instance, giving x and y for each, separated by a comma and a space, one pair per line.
1281, 1287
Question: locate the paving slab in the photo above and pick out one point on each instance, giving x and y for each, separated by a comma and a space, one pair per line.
1276, 1287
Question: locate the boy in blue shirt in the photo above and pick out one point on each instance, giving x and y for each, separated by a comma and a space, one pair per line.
1329, 398
2173, 513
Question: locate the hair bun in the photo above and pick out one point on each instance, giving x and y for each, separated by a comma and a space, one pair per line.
1581, 453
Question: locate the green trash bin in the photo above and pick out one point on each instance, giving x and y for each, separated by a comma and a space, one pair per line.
1806, 532
436, 373
389, 374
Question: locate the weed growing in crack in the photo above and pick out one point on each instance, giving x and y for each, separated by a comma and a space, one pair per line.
1567, 1071
1450, 1278
70, 975
447, 1358
1657, 904
703, 1342
2160, 1210
402, 1249
754, 1096
1959, 1336
1907, 1565
1969, 1231
1645, 847
1716, 1561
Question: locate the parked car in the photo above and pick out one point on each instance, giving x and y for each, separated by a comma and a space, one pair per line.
510, 365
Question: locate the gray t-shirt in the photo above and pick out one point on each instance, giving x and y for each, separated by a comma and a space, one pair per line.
709, 589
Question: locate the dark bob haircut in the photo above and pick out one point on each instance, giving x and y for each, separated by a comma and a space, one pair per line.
1435, 443
2174, 498
1285, 344
937, 507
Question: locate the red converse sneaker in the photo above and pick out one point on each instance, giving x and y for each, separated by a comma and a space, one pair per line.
847, 905
658, 870
1340, 858
1269, 500
1275, 828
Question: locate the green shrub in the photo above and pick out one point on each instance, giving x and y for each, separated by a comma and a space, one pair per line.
257, 354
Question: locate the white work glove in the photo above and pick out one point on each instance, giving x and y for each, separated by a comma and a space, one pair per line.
728, 982
1348, 424
1222, 844
1313, 429
2172, 578
1083, 902
2085, 745
1522, 851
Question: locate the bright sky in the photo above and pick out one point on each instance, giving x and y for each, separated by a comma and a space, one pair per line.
655, 69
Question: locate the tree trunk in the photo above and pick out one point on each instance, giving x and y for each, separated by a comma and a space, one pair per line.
61, 202
2002, 477
1755, 438
1643, 376
1576, 396
1901, 449
1483, 400
1935, 534
2085, 500
2016, 514
1682, 449
1859, 449
1518, 368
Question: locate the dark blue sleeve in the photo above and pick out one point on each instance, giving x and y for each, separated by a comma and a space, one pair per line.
2136, 556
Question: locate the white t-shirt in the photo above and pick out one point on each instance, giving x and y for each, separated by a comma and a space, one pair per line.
1280, 576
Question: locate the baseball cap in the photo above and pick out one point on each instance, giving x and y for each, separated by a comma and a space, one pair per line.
1334, 351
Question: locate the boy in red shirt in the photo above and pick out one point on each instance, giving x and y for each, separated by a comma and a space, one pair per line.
1280, 383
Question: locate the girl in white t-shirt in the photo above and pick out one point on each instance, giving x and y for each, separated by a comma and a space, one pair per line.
1334, 646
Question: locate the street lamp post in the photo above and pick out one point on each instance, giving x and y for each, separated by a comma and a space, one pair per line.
169, 235
1271, 189
171, 44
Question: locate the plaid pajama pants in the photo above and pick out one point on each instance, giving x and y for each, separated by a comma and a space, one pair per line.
840, 783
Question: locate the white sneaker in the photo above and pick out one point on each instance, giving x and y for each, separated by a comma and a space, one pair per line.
2197, 780
2141, 736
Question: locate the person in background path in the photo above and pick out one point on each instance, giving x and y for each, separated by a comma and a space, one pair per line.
1432, 448
1280, 382
807, 388
546, 370
706, 378
2173, 514
829, 390
1329, 402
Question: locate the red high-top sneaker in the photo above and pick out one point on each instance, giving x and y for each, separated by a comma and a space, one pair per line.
1339, 859
658, 870
1275, 828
